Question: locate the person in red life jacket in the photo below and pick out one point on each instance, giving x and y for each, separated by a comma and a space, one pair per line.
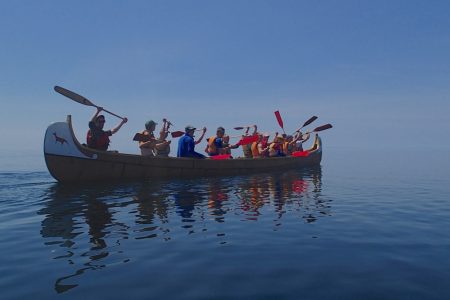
96, 137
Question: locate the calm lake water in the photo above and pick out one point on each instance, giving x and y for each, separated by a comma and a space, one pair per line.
365, 225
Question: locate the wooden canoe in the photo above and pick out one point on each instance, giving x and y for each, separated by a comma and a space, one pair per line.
69, 161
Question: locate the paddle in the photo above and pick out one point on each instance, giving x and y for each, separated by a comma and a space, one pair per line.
242, 127
179, 133
80, 99
176, 134
248, 140
139, 137
280, 120
323, 127
310, 120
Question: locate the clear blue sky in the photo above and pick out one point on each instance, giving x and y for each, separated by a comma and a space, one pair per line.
379, 71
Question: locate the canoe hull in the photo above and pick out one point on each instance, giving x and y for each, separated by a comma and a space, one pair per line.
68, 161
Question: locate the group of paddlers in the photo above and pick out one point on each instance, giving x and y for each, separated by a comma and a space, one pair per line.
254, 145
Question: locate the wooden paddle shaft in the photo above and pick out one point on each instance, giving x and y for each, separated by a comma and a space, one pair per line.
107, 111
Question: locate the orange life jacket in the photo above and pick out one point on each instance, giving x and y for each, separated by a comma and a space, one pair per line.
247, 149
275, 149
211, 149
287, 148
255, 150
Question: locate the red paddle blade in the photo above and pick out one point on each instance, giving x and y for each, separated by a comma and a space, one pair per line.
323, 127
221, 156
248, 140
176, 134
279, 119
300, 153
312, 119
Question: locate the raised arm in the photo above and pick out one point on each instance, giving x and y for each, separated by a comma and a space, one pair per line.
307, 137
297, 136
94, 117
255, 130
275, 137
201, 137
115, 129
164, 130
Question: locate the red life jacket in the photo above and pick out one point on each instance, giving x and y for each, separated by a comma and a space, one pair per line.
99, 143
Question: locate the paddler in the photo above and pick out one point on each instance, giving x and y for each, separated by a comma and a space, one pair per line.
300, 138
153, 146
247, 148
276, 148
260, 147
289, 145
255, 148
263, 146
164, 148
216, 144
186, 144
96, 137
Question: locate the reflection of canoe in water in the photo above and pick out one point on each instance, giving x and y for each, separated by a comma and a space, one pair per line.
69, 161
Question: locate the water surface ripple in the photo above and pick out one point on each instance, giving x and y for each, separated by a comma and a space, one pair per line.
285, 235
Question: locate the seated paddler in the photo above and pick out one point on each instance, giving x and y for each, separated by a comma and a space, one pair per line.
276, 147
216, 144
96, 137
186, 144
247, 148
149, 145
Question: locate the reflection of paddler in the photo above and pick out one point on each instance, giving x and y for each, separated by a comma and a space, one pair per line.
151, 202
98, 217
215, 200
299, 186
254, 198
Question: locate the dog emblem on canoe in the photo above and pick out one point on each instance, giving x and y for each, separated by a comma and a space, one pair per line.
59, 139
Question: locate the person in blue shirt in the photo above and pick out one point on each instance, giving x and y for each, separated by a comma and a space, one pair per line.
186, 144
